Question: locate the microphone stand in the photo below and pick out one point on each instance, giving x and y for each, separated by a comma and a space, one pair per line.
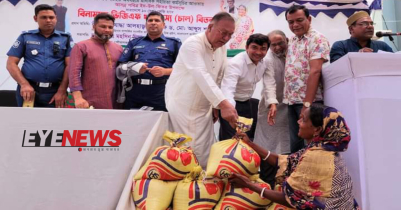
392, 40
390, 37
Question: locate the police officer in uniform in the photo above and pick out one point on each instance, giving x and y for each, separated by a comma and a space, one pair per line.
157, 53
43, 77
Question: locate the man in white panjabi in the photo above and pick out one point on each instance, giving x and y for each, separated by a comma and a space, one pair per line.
276, 138
193, 89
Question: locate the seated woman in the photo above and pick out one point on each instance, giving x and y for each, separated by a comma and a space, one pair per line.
316, 176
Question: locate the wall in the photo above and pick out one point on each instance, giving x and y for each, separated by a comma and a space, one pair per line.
392, 21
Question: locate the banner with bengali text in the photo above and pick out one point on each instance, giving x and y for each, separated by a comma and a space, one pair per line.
182, 18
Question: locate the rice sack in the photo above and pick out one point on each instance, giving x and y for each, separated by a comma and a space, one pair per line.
153, 194
169, 162
197, 192
233, 155
243, 198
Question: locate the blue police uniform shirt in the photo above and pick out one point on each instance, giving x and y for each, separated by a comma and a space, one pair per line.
341, 48
161, 52
44, 58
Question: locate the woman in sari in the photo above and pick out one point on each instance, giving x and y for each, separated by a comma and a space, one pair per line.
316, 176
243, 29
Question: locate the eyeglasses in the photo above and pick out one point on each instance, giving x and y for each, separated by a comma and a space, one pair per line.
225, 33
366, 24
282, 43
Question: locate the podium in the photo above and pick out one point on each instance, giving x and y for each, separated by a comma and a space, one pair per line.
366, 88
37, 172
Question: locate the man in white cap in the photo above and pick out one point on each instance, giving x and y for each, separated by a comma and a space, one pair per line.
361, 28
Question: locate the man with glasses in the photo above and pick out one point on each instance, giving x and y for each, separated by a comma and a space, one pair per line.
193, 89
361, 28
275, 137
307, 51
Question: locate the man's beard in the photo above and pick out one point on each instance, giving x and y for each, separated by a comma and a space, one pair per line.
104, 37
280, 55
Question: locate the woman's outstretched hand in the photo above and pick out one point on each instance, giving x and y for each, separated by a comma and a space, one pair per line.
240, 181
243, 136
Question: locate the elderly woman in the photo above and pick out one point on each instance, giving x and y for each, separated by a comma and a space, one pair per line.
314, 177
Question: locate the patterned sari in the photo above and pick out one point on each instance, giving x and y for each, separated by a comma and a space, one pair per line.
316, 177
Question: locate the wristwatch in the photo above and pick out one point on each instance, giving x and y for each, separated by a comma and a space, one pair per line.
306, 104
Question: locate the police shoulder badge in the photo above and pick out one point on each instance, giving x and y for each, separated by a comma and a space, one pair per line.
16, 44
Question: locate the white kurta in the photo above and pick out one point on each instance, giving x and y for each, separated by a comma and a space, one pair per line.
275, 138
193, 89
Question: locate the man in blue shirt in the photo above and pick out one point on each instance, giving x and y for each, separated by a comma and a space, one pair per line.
157, 53
43, 76
361, 28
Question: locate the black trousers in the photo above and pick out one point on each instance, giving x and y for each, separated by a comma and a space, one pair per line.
248, 109
146, 95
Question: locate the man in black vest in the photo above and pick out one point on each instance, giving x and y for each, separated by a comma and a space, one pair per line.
60, 12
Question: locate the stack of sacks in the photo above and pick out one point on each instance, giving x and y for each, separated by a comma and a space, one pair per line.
197, 192
156, 181
243, 198
153, 193
233, 155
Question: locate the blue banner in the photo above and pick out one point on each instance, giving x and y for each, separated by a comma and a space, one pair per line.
15, 2
376, 5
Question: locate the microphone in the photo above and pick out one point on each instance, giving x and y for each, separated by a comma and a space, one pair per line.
381, 34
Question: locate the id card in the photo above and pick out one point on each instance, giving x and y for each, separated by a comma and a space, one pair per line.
29, 103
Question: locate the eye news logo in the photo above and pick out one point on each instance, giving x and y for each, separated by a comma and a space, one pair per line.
85, 140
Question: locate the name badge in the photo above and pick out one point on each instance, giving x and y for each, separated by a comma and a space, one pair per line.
162, 48
33, 42
138, 47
